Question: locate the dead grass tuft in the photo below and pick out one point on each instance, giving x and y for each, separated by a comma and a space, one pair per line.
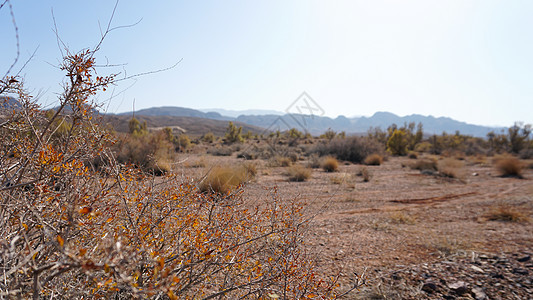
451, 168
224, 179
505, 213
424, 164
330, 164
400, 217
509, 166
374, 160
298, 173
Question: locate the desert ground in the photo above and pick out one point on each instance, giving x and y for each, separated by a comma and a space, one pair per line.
413, 234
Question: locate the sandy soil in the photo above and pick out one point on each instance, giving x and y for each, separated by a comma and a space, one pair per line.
403, 227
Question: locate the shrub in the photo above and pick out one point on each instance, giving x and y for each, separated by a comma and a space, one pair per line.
314, 161
412, 155
224, 179
365, 174
221, 151
298, 173
151, 152
233, 134
184, 142
209, 137
505, 213
330, 164
283, 161
509, 167
424, 164
353, 149
70, 230
451, 168
398, 142
374, 160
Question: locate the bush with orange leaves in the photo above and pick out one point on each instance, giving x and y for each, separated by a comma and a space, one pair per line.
69, 229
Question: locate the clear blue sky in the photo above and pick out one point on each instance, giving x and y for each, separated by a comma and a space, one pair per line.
469, 60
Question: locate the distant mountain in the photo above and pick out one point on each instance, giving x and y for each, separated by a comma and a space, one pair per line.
317, 125
177, 112
236, 113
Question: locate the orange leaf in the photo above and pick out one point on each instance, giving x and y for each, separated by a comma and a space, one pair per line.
85, 210
60, 240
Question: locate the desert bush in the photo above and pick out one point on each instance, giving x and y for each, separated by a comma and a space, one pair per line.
412, 155
224, 179
69, 230
282, 161
209, 138
330, 164
221, 151
402, 218
353, 149
233, 134
365, 173
451, 168
509, 166
506, 213
314, 161
424, 164
184, 142
374, 160
398, 142
151, 151
298, 173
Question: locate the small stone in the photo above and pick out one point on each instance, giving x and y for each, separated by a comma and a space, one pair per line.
520, 271
524, 258
458, 287
477, 269
478, 293
429, 287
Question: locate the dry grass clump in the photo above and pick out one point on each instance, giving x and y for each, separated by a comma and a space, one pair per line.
330, 164
400, 217
374, 160
412, 155
451, 168
224, 179
221, 151
314, 161
298, 173
424, 164
365, 174
199, 163
509, 166
505, 213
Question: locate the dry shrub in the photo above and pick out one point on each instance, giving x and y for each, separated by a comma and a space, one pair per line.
221, 151
72, 231
224, 179
400, 217
509, 166
374, 160
298, 173
199, 163
412, 155
280, 161
451, 168
365, 173
506, 213
424, 164
314, 161
353, 149
330, 164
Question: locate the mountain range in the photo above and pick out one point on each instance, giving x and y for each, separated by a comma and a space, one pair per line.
315, 125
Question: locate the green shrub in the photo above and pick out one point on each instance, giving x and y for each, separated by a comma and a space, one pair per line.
398, 142
209, 137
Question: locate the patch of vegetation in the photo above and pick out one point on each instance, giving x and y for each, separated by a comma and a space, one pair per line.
450, 167
506, 213
224, 179
353, 149
509, 166
330, 164
374, 160
423, 164
298, 173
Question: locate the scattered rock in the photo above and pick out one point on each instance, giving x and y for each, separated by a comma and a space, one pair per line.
477, 269
459, 287
524, 258
478, 293
429, 287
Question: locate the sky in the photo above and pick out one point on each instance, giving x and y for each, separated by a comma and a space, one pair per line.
468, 60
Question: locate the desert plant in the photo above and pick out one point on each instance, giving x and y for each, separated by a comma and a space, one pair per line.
424, 164
68, 229
184, 142
400, 217
353, 149
398, 142
209, 137
224, 179
233, 134
451, 168
506, 213
365, 173
509, 166
330, 164
298, 173
314, 161
374, 160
